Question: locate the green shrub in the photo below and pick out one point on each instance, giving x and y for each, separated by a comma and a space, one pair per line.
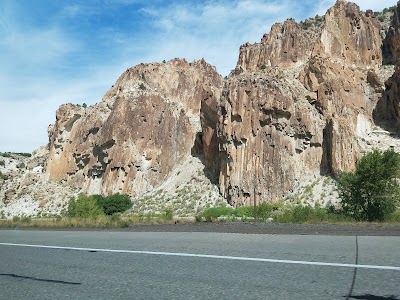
113, 204
389, 9
84, 207
168, 214
214, 212
244, 211
123, 224
3, 176
302, 214
372, 192
116, 217
2, 163
26, 219
23, 154
264, 211
10, 154
394, 217
283, 216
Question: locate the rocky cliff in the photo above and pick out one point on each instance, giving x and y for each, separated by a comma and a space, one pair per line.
300, 102
303, 102
148, 123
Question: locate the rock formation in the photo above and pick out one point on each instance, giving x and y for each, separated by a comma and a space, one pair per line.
387, 111
145, 126
299, 102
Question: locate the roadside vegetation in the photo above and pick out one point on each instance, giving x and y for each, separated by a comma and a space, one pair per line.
283, 213
372, 192
95, 206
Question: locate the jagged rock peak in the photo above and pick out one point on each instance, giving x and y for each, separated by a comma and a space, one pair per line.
343, 33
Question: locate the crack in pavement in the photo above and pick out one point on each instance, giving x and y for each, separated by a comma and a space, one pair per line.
39, 279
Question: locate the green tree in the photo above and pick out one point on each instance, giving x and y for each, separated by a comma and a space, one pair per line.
114, 203
84, 207
372, 192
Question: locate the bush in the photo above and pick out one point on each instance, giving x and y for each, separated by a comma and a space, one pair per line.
168, 214
394, 217
244, 211
84, 207
2, 163
264, 211
372, 192
389, 9
214, 212
113, 204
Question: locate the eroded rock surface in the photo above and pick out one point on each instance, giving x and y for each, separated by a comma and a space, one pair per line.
300, 102
145, 126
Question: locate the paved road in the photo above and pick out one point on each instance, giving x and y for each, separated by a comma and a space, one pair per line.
85, 265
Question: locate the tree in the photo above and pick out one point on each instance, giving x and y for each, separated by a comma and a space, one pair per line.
84, 207
114, 203
372, 192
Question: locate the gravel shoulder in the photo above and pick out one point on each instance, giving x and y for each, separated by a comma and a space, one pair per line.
250, 228
273, 228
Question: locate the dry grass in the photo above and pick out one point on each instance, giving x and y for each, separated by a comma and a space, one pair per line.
100, 222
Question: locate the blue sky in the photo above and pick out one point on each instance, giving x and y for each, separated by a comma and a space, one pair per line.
59, 51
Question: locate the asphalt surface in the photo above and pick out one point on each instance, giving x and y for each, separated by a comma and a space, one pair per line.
219, 265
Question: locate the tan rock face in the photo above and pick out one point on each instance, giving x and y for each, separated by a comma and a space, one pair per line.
307, 113
344, 33
392, 41
351, 36
388, 108
145, 125
268, 139
286, 45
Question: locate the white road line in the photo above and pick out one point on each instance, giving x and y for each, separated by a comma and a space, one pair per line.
268, 260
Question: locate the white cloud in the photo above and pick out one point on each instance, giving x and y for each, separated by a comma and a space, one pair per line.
36, 46
24, 122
